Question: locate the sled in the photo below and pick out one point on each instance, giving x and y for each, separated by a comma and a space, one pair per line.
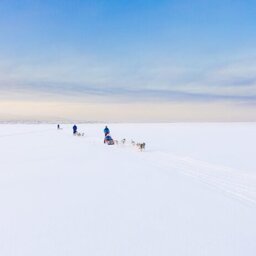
108, 140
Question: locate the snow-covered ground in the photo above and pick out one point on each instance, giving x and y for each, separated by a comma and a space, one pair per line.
192, 192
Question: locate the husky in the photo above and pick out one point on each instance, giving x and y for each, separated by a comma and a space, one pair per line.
79, 134
141, 146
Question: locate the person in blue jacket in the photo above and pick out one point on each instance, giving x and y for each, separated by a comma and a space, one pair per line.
74, 129
106, 131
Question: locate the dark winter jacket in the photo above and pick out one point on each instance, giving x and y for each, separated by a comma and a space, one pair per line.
106, 130
74, 128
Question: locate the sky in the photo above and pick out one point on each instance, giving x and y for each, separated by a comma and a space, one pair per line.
128, 60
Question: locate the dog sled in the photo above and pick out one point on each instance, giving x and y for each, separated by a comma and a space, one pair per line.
108, 140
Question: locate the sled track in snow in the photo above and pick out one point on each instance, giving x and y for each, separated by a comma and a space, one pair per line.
238, 184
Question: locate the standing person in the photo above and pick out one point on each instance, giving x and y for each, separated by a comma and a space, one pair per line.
106, 131
74, 129
58, 126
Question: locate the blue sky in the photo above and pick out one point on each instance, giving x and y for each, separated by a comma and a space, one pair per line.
182, 52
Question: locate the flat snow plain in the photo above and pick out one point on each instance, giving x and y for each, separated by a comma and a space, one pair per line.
192, 192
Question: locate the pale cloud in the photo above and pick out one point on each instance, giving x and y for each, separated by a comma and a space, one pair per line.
83, 88
85, 76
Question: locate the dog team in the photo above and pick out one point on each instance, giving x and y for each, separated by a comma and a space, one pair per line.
108, 139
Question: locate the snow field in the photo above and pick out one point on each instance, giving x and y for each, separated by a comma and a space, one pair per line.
192, 192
